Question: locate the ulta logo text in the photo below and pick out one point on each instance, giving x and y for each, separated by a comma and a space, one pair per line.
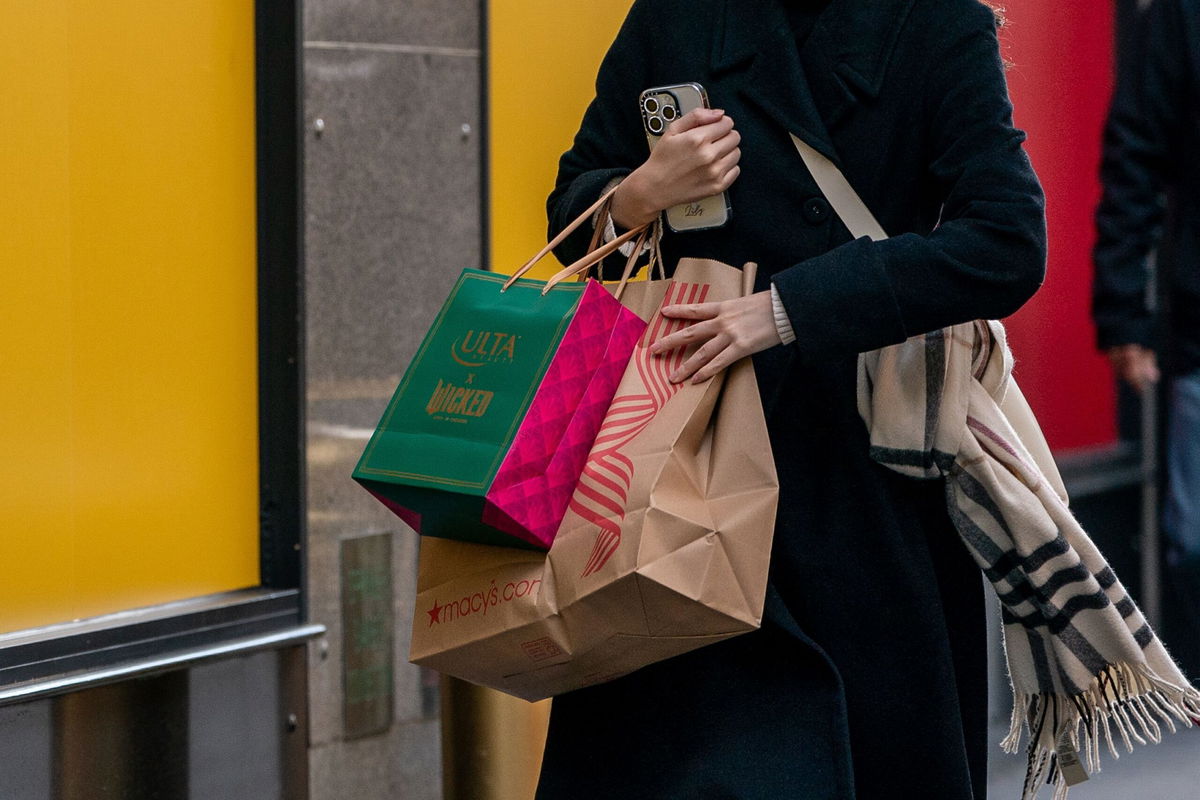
477, 348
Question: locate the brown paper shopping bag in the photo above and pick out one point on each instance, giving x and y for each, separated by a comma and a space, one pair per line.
665, 546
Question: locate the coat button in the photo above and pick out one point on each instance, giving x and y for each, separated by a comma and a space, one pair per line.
816, 210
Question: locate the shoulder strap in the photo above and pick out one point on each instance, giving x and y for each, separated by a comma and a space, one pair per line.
859, 220
841, 195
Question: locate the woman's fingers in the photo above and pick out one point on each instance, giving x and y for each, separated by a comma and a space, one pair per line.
708, 329
691, 310
722, 157
715, 131
729, 178
694, 119
726, 331
726, 145
689, 335
701, 126
714, 366
723, 172
707, 352
728, 161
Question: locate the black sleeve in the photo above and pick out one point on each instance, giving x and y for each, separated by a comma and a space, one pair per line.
609, 143
1133, 168
986, 257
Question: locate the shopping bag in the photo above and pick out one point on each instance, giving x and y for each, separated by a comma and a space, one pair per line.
665, 546
488, 430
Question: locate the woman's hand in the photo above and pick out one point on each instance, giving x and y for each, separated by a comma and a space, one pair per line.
696, 157
726, 331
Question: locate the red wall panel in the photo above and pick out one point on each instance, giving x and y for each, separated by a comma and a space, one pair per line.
1060, 79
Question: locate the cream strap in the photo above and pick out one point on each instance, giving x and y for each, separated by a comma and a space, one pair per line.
567, 231
859, 220
841, 195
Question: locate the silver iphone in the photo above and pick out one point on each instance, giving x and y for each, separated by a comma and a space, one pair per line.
660, 107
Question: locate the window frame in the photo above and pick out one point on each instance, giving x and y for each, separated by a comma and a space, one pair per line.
65, 657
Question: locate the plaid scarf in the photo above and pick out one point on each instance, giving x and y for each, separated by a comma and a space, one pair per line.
1084, 663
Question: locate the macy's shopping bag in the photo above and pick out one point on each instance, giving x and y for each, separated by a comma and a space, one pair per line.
665, 546
488, 431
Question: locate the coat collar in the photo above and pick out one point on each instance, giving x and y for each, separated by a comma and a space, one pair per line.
842, 63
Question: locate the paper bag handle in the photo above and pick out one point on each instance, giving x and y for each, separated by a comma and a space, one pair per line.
749, 273
649, 231
631, 262
593, 257
655, 242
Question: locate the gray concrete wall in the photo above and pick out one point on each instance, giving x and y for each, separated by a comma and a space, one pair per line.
392, 215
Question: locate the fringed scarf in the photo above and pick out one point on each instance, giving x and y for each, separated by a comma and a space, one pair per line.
1084, 664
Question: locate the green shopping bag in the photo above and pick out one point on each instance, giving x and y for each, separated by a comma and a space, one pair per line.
486, 436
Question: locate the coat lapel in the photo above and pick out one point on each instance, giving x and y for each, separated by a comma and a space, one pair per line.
849, 50
808, 91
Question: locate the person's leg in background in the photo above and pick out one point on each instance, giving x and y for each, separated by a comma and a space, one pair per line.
1181, 512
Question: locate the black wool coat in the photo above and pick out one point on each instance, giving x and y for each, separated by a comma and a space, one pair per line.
867, 678
1150, 145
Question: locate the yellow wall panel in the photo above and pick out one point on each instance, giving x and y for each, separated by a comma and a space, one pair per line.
128, 385
542, 61
35, 356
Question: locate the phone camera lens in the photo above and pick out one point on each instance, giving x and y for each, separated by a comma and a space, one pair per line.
655, 124
669, 113
651, 105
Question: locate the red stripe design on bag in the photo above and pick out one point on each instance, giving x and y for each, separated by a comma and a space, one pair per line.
603, 488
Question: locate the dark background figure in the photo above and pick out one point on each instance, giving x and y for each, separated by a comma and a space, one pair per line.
1146, 299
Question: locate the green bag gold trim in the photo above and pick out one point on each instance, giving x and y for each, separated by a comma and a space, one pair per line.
467, 390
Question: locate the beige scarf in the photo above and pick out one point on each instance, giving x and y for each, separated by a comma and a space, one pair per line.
1083, 661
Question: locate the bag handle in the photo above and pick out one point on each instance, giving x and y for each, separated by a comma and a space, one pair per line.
593, 257
648, 231
655, 230
656, 258
749, 273
630, 262
597, 229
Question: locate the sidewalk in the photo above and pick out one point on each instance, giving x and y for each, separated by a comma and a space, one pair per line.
1166, 771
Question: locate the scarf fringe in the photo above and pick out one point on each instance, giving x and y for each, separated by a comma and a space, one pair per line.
1131, 698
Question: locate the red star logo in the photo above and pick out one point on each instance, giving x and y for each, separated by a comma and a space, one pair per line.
434, 612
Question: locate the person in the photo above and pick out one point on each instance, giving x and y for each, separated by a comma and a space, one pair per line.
867, 678
1150, 142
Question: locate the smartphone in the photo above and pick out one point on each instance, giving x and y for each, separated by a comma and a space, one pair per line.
660, 107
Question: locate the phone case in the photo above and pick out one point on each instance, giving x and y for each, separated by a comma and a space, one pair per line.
660, 107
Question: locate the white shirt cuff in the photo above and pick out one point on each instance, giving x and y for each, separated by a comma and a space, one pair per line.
782, 324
